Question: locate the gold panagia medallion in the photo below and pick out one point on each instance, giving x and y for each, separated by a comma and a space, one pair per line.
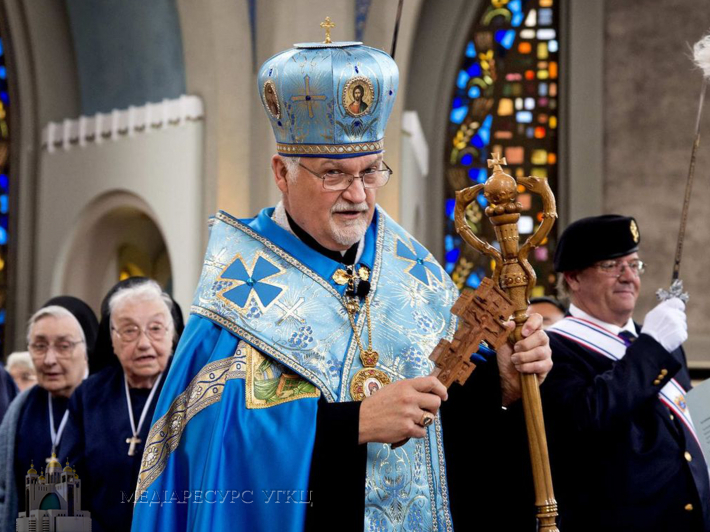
366, 382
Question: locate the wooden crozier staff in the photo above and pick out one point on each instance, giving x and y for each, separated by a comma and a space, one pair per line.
516, 278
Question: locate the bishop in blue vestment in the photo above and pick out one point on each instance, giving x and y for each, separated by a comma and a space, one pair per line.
306, 353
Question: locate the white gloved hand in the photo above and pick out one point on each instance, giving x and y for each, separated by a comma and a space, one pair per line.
666, 323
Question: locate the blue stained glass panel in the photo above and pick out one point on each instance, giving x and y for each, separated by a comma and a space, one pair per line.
474, 92
506, 38
544, 17
453, 255
473, 281
474, 70
462, 80
458, 114
524, 117
470, 50
5, 206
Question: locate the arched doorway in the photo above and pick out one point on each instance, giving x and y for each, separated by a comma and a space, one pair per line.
116, 237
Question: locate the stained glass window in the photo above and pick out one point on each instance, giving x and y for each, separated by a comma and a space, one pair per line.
505, 100
4, 192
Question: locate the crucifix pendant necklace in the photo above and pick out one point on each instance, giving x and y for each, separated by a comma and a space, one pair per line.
134, 440
55, 435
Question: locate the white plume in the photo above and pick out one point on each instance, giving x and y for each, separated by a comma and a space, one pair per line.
701, 55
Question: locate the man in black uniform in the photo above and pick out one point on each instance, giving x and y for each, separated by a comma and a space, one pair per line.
624, 450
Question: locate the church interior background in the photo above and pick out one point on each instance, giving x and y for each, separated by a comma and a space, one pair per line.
125, 124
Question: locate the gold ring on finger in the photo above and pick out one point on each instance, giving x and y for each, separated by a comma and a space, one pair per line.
426, 420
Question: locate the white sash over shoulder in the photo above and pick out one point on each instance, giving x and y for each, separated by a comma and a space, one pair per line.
599, 340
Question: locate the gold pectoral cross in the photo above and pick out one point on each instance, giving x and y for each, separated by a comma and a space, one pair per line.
132, 441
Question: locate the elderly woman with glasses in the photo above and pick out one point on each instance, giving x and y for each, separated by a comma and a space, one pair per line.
58, 336
111, 413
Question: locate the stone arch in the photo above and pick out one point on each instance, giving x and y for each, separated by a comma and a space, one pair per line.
117, 235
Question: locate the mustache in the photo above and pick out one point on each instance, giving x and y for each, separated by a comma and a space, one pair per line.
344, 205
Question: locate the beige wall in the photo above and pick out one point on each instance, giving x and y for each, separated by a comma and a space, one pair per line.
156, 173
651, 95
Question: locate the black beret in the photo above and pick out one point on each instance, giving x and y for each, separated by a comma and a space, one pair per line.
596, 238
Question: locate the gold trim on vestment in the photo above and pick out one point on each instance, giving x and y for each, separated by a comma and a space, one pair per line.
442, 474
205, 389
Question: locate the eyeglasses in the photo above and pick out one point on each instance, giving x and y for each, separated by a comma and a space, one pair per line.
336, 180
63, 348
130, 333
614, 268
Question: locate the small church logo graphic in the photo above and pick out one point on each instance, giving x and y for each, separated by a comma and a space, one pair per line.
53, 501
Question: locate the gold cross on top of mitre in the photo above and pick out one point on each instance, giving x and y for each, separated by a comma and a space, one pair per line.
328, 25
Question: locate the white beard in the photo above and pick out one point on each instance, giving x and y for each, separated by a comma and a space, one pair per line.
352, 231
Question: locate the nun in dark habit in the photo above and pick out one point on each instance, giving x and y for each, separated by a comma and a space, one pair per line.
111, 412
59, 336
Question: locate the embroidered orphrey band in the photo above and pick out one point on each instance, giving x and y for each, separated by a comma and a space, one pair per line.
205, 389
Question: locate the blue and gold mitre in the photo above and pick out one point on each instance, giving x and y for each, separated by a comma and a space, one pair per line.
330, 99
